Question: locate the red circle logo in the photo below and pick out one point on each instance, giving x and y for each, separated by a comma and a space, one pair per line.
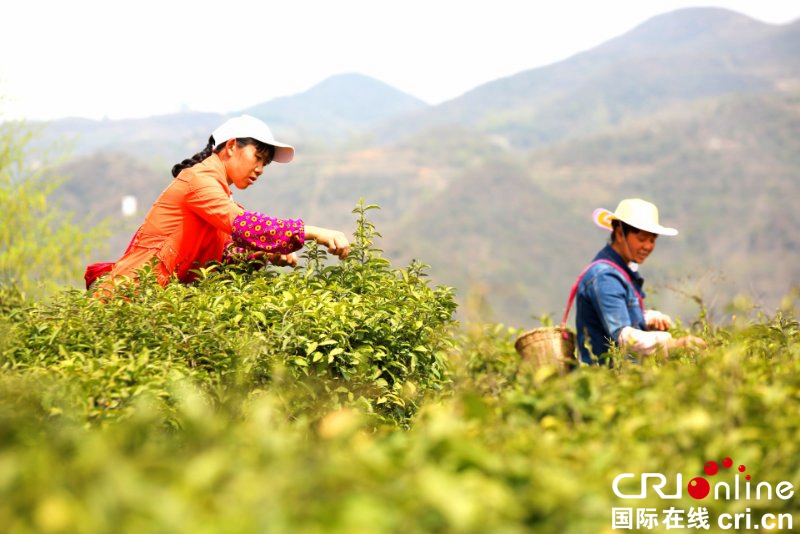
698, 488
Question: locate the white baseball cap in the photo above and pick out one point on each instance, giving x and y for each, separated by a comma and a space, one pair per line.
249, 126
635, 212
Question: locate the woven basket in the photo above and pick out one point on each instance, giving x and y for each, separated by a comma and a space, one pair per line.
548, 346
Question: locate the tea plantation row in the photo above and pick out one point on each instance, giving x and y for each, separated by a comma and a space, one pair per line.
344, 398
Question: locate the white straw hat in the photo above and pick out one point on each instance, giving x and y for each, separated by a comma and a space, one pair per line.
249, 126
635, 212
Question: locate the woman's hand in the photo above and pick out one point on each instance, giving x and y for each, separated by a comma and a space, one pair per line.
283, 260
334, 240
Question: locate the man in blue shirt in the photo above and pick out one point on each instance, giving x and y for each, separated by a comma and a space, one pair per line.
610, 300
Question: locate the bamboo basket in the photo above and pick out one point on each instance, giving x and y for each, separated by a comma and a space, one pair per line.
548, 345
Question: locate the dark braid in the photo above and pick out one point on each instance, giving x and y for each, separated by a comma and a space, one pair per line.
194, 160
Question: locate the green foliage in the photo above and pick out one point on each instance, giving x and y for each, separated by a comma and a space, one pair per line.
504, 449
671, 416
355, 333
334, 398
41, 249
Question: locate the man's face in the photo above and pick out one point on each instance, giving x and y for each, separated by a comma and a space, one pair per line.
639, 245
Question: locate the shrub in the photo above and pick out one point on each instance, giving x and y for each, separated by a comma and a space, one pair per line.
355, 333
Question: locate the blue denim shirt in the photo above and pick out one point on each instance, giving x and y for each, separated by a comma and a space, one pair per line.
605, 304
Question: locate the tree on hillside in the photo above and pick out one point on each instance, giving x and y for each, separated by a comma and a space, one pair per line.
41, 247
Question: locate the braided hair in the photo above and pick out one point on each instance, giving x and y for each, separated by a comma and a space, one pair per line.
267, 153
194, 160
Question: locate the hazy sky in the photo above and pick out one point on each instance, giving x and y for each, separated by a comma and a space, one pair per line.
112, 59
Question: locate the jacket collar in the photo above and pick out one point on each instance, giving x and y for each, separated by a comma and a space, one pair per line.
608, 253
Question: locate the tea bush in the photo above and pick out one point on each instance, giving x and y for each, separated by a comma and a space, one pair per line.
359, 332
738, 399
412, 426
503, 449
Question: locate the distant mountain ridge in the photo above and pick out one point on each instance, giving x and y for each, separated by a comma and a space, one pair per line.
334, 109
697, 110
717, 51
340, 105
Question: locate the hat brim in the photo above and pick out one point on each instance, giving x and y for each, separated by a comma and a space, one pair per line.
283, 153
248, 126
603, 217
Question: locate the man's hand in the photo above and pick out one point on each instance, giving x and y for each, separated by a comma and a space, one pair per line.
687, 342
656, 320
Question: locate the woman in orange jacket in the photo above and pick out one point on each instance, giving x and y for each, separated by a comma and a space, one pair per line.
195, 221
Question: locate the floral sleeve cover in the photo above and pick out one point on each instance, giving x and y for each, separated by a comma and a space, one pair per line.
254, 230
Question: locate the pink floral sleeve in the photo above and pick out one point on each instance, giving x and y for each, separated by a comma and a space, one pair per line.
254, 230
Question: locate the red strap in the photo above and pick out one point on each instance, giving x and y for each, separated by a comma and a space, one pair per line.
578, 281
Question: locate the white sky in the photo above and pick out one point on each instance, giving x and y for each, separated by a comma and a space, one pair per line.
104, 58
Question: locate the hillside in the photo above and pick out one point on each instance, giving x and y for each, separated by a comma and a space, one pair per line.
99, 183
155, 140
680, 56
725, 172
697, 110
339, 106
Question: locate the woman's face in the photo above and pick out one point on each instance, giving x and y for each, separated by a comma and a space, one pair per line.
244, 165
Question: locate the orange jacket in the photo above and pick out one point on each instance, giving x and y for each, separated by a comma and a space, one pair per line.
187, 226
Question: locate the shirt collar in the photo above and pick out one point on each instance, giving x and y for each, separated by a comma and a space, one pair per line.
215, 164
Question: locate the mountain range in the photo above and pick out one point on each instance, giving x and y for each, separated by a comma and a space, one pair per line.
697, 110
